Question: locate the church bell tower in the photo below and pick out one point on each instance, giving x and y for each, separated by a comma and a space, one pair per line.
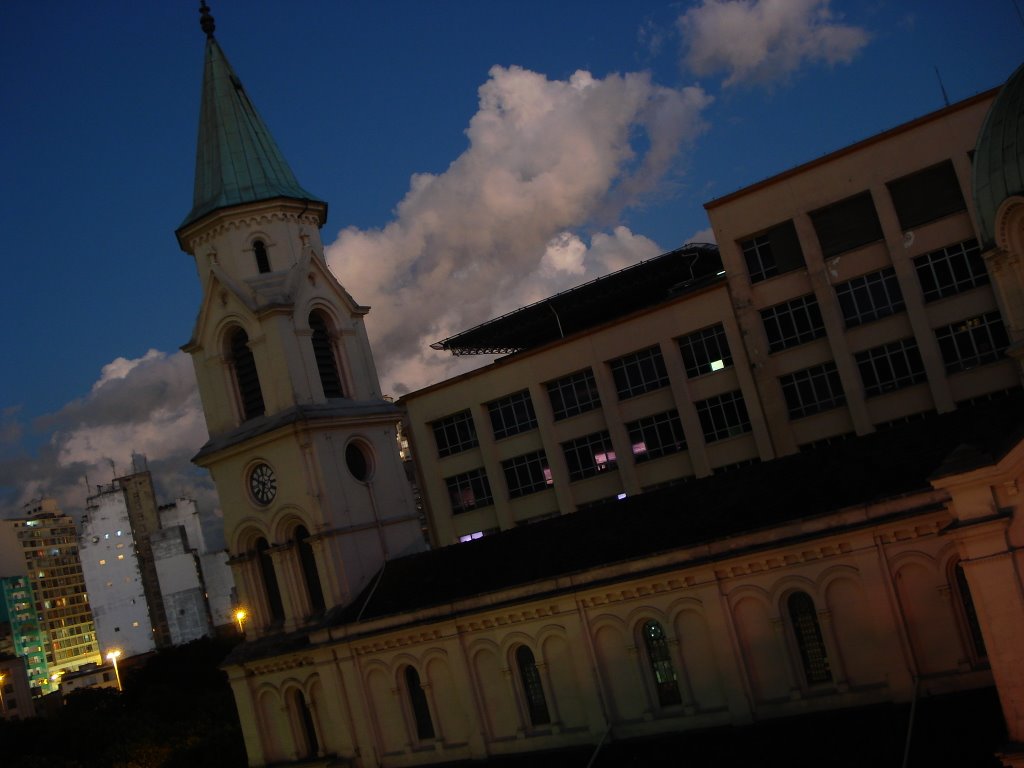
302, 444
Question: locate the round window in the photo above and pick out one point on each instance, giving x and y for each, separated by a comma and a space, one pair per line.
358, 461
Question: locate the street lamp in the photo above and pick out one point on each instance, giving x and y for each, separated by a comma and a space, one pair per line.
113, 656
240, 617
3, 706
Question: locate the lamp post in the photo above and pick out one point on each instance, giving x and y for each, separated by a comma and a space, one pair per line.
240, 617
113, 656
3, 706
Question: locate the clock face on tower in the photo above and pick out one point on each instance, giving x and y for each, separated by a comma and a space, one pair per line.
262, 484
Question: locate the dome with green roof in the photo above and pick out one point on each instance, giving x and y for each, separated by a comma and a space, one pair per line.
999, 156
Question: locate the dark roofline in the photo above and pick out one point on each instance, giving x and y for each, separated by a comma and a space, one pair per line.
564, 314
850, 149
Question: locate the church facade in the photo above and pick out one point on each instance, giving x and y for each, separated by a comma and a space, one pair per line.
879, 569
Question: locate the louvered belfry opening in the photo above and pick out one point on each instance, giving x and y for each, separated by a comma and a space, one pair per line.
326, 364
246, 377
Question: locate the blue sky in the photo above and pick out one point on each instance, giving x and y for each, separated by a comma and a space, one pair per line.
101, 106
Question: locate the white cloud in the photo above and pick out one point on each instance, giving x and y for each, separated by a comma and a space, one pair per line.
499, 228
760, 41
703, 236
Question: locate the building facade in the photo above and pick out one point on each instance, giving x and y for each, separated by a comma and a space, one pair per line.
42, 547
853, 293
867, 570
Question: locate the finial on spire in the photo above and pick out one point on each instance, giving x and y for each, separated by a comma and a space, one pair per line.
205, 19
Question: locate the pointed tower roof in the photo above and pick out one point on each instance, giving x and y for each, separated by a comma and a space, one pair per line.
237, 160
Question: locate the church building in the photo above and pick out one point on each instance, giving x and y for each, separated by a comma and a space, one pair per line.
874, 569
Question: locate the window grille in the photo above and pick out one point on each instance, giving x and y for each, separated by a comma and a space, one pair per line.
809, 642
454, 433
793, 323
663, 672
512, 414
870, 297
533, 688
657, 435
468, 491
705, 351
589, 455
951, 270
573, 395
639, 372
972, 342
723, 416
813, 390
526, 474
890, 367
323, 352
773, 252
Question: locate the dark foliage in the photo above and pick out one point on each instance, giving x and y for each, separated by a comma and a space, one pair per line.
176, 710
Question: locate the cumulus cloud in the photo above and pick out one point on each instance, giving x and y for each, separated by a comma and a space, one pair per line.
759, 41
147, 405
499, 228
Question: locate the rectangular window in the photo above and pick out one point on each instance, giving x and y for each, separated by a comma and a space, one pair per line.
972, 342
846, 225
657, 435
639, 372
470, 490
951, 270
793, 323
454, 433
589, 455
926, 195
890, 367
813, 390
573, 394
705, 351
527, 474
773, 252
512, 414
870, 297
723, 416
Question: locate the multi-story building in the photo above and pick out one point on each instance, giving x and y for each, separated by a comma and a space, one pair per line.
16, 701
43, 547
870, 570
147, 567
27, 637
851, 293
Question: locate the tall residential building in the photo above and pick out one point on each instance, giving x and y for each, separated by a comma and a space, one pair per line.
27, 637
869, 570
43, 547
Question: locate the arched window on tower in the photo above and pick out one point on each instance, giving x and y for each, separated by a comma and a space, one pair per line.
968, 613
259, 249
309, 572
418, 704
533, 689
323, 351
662, 671
243, 365
270, 587
307, 743
809, 641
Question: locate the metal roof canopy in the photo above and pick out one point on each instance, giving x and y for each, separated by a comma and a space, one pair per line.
606, 298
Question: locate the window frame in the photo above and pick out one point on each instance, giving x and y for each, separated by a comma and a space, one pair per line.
964, 257
658, 655
721, 405
639, 372
812, 651
456, 439
793, 323
514, 412
590, 446
666, 424
531, 686
859, 297
825, 385
762, 250
980, 331
702, 340
469, 480
894, 350
573, 394
526, 464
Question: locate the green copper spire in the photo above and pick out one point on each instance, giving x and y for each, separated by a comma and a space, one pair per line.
237, 160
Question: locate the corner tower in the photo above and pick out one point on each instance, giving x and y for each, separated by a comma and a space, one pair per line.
302, 444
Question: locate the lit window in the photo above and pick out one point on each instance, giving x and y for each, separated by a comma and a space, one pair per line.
471, 536
470, 490
589, 455
527, 474
119, 533
120, 557
705, 351
660, 661
135, 623
103, 562
657, 435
